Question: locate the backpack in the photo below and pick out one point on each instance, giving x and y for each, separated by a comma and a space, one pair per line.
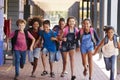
67, 31
14, 39
114, 40
91, 33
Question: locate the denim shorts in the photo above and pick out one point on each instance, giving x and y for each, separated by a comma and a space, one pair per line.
86, 49
35, 53
51, 54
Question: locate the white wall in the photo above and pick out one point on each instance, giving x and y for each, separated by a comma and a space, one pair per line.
114, 13
105, 11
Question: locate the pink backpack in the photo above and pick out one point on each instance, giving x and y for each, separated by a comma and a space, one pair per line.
66, 31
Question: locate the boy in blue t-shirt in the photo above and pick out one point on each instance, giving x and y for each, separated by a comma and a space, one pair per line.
49, 47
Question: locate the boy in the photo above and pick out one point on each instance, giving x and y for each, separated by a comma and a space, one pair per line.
49, 38
20, 45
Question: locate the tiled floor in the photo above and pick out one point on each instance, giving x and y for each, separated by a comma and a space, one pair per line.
7, 71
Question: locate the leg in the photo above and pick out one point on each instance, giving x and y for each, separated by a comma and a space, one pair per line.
35, 65
71, 54
90, 62
17, 62
84, 62
64, 58
107, 63
22, 59
51, 62
31, 57
112, 71
43, 57
36, 53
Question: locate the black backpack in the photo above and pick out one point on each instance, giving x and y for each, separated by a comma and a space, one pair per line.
14, 39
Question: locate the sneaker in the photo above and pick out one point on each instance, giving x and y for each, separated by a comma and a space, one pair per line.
91, 78
21, 66
44, 73
52, 74
64, 73
73, 77
16, 78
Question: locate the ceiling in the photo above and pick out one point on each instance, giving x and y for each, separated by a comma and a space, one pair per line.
54, 5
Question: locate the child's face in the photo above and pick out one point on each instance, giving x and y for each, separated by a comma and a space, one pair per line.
86, 25
110, 33
62, 24
36, 25
21, 26
46, 27
71, 22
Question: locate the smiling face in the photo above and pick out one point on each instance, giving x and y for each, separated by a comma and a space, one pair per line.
46, 27
71, 22
110, 33
86, 25
21, 26
35, 25
62, 24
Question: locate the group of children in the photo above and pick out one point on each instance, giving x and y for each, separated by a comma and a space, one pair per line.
36, 40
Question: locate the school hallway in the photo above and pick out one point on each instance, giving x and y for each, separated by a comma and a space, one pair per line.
7, 70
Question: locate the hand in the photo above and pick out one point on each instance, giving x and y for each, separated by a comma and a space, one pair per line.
31, 48
53, 38
64, 39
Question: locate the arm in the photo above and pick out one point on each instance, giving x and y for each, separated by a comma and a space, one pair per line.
97, 38
97, 48
33, 40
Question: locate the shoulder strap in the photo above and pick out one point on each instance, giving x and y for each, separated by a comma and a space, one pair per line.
14, 39
66, 31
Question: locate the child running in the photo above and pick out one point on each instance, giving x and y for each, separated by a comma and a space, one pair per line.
110, 48
68, 38
20, 38
88, 40
49, 47
33, 56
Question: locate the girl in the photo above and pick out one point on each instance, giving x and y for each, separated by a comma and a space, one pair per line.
110, 50
88, 39
33, 56
68, 38
20, 45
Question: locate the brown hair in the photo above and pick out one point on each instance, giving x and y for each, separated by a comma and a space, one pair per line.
71, 17
31, 21
19, 21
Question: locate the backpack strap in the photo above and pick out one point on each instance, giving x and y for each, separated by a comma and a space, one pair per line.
91, 33
14, 39
65, 30
114, 40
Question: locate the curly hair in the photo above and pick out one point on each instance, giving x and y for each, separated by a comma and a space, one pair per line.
31, 21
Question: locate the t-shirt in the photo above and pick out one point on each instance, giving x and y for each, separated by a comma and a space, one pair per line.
21, 40
48, 43
109, 49
35, 35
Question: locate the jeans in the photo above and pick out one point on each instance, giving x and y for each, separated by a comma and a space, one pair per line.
20, 58
110, 65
